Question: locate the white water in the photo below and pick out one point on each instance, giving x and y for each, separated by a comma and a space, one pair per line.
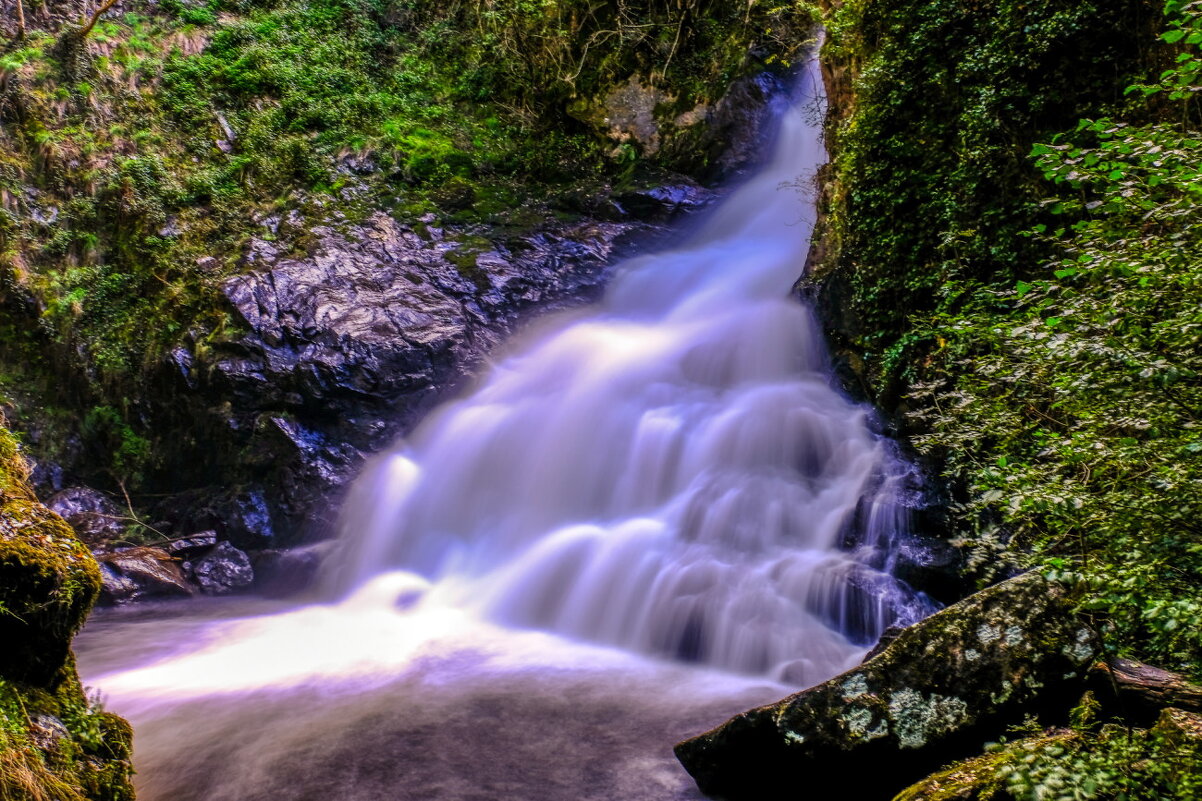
668, 473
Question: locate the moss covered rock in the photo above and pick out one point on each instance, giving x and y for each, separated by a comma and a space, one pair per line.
55, 743
936, 693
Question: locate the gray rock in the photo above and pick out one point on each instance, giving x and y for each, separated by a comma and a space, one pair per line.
193, 545
223, 570
344, 348
936, 693
96, 518
47, 732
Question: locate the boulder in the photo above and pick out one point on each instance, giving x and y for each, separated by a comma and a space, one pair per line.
96, 518
131, 574
936, 693
223, 570
192, 545
48, 583
662, 203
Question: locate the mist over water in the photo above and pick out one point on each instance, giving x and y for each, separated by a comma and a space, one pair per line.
648, 515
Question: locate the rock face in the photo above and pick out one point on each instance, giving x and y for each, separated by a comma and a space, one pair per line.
346, 344
934, 694
713, 140
386, 310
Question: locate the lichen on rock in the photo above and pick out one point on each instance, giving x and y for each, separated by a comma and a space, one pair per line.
937, 692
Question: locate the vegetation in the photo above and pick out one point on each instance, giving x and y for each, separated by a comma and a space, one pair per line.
1088, 761
136, 164
1080, 389
1039, 342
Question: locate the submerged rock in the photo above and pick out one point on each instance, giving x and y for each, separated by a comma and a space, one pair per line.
280, 573
936, 693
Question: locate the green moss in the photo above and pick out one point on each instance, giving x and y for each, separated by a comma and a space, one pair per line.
932, 180
1103, 763
55, 744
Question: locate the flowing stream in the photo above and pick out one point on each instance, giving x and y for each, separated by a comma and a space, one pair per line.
649, 514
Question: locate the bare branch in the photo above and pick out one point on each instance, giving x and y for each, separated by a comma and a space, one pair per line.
90, 24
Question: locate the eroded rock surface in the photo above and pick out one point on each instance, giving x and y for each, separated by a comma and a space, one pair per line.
934, 694
346, 344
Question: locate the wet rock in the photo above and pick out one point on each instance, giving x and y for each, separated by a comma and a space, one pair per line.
223, 570
96, 518
131, 574
936, 693
248, 522
193, 545
662, 203
347, 346
47, 477
738, 125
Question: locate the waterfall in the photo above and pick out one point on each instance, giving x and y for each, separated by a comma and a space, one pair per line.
650, 514
669, 470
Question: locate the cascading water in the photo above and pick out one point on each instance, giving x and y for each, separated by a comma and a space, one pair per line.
666, 473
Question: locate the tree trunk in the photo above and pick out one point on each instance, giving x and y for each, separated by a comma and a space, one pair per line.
1139, 692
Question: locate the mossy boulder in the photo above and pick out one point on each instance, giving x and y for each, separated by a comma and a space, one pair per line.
48, 583
55, 744
936, 693
48, 579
